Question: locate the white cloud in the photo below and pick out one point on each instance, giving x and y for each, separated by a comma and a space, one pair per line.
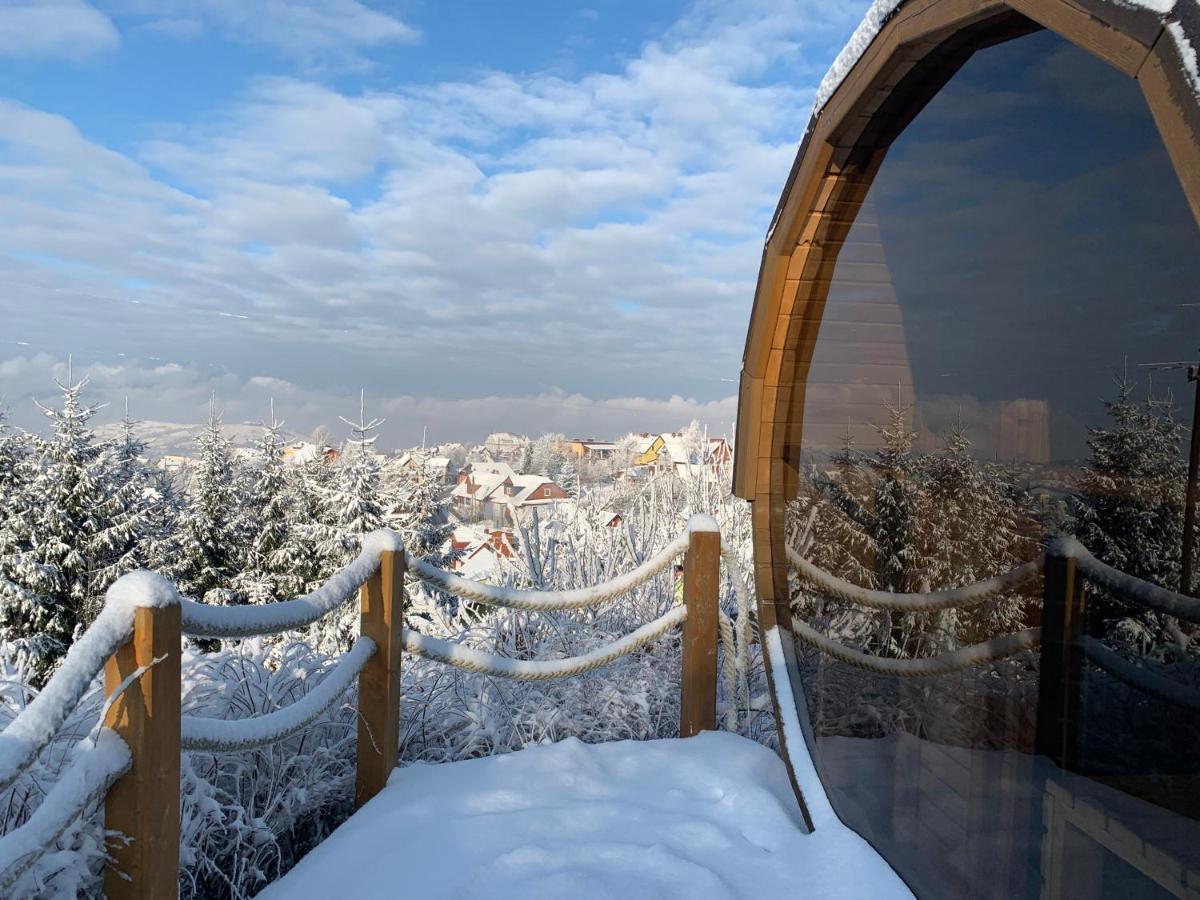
493, 235
57, 28
312, 31
176, 393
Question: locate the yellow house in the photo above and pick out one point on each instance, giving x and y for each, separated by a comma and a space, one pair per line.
649, 455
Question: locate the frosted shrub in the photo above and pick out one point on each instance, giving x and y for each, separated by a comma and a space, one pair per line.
248, 816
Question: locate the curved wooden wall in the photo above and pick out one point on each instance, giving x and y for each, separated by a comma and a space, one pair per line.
918, 51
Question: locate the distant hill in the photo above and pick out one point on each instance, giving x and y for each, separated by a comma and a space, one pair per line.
177, 439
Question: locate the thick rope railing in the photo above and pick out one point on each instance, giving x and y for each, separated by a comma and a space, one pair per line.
1132, 588
735, 639
131, 646
943, 664
92, 772
35, 725
931, 601
207, 621
579, 598
1137, 677
480, 662
227, 735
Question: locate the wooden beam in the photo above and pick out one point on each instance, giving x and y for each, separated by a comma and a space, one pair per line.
144, 803
382, 618
1061, 668
698, 678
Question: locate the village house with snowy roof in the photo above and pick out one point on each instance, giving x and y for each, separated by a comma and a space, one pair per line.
591, 448
671, 449
495, 492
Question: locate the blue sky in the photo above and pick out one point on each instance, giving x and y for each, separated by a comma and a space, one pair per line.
532, 215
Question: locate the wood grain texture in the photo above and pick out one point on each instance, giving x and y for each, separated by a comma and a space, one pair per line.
698, 678
382, 618
144, 803
913, 57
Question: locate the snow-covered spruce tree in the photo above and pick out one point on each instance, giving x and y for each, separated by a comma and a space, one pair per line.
829, 524
210, 535
273, 569
18, 567
353, 505
973, 524
141, 504
894, 497
1129, 506
65, 535
308, 483
416, 509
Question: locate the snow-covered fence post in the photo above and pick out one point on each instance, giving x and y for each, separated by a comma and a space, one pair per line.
1061, 668
701, 584
144, 803
382, 600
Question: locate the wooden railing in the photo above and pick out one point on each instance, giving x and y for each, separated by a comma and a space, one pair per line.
142, 678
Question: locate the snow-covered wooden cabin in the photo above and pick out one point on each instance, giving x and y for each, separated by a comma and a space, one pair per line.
992, 212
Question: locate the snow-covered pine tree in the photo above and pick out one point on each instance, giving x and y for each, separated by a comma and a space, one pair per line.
417, 509
141, 505
273, 568
308, 483
354, 506
64, 534
973, 524
17, 565
1129, 507
209, 538
894, 496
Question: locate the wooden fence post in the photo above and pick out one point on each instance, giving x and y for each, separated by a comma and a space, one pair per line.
144, 802
1061, 669
701, 583
382, 601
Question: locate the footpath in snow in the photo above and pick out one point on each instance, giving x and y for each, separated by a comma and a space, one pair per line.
708, 817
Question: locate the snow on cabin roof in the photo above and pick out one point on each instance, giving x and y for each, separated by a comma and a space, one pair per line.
1179, 17
644, 442
678, 450
491, 468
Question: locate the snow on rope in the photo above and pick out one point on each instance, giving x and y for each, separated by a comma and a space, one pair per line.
735, 636
203, 620
36, 724
945, 663
225, 735
473, 660
579, 598
1135, 676
92, 772
1133, 589
932, 601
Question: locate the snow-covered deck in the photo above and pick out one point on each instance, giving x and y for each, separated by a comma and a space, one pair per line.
711, 816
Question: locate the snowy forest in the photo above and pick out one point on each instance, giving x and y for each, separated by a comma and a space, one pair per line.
899, 521
77, 511
893, 519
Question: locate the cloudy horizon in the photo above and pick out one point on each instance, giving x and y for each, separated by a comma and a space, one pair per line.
326, 196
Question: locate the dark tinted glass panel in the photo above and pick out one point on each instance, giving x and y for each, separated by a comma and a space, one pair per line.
992, 371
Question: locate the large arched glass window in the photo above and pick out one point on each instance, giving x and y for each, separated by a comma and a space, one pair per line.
996, 363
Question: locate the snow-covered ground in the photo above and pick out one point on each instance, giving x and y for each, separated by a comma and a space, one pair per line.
708, 817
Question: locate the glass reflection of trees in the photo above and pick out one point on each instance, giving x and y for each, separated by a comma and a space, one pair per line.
982, 382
